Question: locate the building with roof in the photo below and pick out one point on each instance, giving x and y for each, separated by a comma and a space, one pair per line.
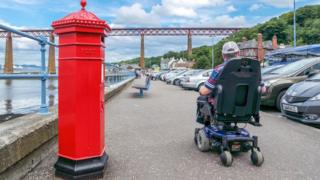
256, 49
173, 63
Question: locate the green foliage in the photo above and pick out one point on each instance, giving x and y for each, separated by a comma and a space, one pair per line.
308, 32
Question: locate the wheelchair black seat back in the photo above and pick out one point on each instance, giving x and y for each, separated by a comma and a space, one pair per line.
238, 94
236, 100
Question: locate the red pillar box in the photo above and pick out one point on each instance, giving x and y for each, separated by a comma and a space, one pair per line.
81, 94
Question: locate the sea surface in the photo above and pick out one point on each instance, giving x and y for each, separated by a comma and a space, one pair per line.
18, 97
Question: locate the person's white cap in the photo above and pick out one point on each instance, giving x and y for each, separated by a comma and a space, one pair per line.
230, 48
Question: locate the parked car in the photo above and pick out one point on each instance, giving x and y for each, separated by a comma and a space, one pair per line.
170, 79
277, 82
197, 80
302, 101
156, 76
269, 69
162, 76
177, 79
172, 74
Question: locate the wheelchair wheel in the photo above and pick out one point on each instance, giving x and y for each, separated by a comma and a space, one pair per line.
203, 143
256, 157
226, 158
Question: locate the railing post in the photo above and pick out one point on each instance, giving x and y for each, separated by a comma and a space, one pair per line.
44, 106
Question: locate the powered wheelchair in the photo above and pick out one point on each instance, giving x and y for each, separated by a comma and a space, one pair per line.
235, 100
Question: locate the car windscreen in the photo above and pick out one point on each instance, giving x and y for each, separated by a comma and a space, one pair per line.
187, 73
193, 72
291, 68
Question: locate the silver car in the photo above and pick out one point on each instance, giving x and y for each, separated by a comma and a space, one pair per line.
170, 78
176, 80
172, 74
197, 80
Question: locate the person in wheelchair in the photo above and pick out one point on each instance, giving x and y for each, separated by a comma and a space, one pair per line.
231, 96
207, 92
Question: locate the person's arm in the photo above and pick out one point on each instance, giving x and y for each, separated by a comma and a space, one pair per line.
204, 91
209, 85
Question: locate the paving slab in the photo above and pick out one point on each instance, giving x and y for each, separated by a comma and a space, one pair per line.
152, 138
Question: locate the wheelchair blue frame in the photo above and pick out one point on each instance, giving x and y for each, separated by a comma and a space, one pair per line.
237, 101
215, 132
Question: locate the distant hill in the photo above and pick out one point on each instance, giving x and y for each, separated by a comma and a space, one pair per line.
23, 66
308, 32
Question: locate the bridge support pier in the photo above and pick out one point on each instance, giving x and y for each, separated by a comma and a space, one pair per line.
8, 65
142, 52
189, 44
52, 58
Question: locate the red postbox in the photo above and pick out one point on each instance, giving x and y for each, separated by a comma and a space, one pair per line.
81, 145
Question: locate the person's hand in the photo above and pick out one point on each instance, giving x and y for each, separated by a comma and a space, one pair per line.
204, 91
263, 89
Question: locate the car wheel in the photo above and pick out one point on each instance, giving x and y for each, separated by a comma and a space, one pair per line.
279, 97
200, 85
179, 83
175, 82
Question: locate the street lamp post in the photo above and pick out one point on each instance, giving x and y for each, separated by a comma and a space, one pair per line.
294, 24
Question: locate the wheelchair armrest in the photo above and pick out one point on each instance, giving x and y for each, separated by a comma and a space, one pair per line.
219, 89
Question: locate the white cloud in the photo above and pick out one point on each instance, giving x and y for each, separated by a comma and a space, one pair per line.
135, 15
279, 3
255, 7
193, 4
231, 8
170, 10
28, 2
184, 8
220, 21
228, 21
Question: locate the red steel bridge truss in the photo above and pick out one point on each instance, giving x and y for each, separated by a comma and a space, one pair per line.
147, 32
188, 31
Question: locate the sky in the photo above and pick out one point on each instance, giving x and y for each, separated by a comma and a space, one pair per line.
33, 14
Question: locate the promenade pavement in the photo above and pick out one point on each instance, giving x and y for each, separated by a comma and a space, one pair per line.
152, 138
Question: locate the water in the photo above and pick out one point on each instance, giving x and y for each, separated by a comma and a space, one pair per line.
24, 96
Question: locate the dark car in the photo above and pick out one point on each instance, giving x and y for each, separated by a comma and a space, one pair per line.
270, 69
302, 101
277, 82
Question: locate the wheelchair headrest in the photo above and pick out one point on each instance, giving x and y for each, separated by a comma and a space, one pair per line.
237, 92
241, 68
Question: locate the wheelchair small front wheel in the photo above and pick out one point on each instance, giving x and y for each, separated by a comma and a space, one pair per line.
257, 158
203, 142
226, 158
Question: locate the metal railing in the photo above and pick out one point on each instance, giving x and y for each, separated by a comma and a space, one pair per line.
115, 74
43, 75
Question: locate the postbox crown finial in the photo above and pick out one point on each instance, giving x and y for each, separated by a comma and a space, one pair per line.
83, 4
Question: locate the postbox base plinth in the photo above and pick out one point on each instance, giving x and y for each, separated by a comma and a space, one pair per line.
72, 169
